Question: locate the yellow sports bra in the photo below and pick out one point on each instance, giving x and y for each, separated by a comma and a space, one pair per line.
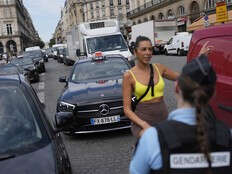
140, 88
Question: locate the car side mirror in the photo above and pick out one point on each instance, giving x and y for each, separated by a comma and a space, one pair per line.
78, 52
62, 79
63, 120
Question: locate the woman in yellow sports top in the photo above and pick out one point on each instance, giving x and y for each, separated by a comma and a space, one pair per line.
151, 109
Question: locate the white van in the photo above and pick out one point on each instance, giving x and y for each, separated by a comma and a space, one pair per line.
32, 48
178, 44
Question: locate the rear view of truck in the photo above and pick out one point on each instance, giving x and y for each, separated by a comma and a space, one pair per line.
158, 32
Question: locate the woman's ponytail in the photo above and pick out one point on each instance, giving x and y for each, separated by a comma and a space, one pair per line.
200, 100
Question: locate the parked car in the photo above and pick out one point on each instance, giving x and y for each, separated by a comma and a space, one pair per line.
220, 56
10, 69
28, 142
44, 55
27, 66
178, 44
49, 53
37, 57
93, 93
67, 61
61, 55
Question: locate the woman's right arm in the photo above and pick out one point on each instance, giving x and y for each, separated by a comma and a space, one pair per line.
127, 91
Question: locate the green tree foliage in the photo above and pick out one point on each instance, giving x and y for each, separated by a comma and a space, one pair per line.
52, 42
40, 43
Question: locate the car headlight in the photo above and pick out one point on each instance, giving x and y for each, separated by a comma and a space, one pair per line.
61, 56
65, 107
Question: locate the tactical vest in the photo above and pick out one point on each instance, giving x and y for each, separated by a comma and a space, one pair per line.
181, 151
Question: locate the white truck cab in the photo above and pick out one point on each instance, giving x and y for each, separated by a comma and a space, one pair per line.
178, 44
99, 36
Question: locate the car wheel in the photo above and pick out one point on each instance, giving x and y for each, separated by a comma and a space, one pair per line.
37, 78
179, 53
43, 69
65, 62
165, 52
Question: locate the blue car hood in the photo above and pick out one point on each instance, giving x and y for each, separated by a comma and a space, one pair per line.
38, 162
78, 93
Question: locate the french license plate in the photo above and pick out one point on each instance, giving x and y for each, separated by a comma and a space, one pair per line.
105, 120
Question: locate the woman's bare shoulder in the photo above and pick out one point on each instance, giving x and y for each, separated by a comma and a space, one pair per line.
160, 66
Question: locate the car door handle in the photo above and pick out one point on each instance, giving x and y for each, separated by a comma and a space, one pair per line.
225, 108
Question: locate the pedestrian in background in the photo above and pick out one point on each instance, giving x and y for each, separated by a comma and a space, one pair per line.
183, 143
151, 109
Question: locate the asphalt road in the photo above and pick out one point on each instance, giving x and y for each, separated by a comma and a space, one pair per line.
99, 153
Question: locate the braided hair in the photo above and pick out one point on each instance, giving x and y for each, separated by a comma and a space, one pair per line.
197, 83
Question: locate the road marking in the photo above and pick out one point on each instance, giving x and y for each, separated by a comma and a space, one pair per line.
41, 86
42, 74
41, 97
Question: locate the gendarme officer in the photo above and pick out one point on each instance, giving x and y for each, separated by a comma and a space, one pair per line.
191, 141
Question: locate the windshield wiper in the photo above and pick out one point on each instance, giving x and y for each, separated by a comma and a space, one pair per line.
6, 156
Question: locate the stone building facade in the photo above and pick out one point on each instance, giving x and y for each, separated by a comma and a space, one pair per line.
183, 11
71, 15
16, 28
76, 11
106, 9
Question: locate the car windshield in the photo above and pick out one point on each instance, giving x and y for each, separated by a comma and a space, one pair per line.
62, 51
22, 61
94, 70
19, 127
106, 43
33, 54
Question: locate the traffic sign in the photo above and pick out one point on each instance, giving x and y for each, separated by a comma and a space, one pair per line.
206, 20
221, 11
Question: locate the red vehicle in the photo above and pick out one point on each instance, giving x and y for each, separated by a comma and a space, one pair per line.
220, 56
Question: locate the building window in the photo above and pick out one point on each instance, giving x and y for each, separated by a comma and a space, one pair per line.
98, 14
111, 3
91, 6
128, 8
111, 12
145, 20
138, 3
103, 13
127, 2
103, 3
181, 11
120, 10
134, 23
161, 16
9, 29
92, 15
170, 14
6, 2
210, 4
152, 17
97, 4
119, 2
139, 21
229, 1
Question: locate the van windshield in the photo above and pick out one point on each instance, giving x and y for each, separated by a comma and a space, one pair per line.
106, 43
